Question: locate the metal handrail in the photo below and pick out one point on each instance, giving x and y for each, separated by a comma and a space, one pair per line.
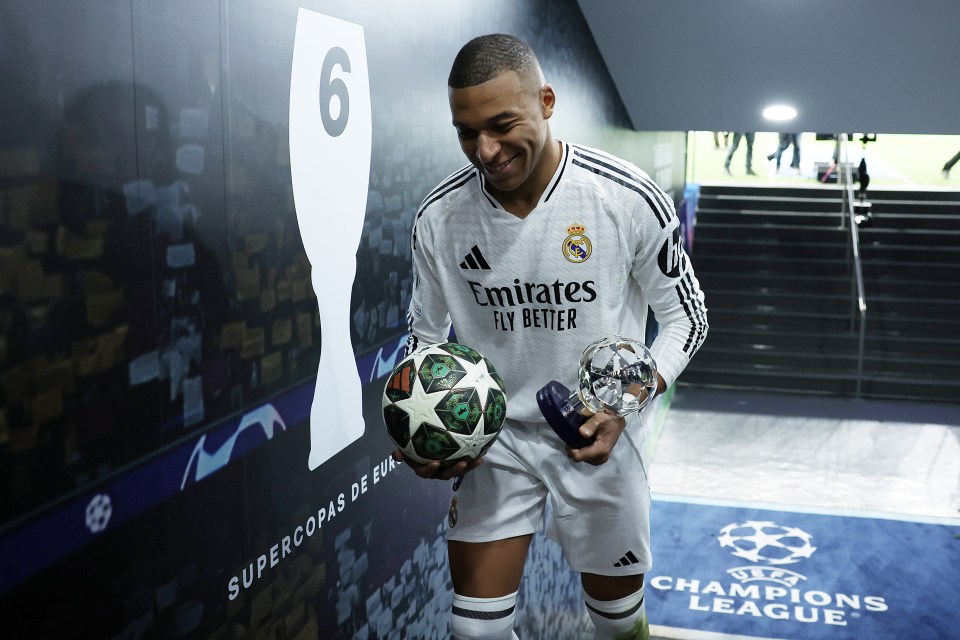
848, 213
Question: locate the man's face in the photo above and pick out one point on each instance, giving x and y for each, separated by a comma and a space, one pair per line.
502, 126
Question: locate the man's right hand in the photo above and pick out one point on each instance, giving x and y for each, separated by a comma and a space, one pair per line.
433, 470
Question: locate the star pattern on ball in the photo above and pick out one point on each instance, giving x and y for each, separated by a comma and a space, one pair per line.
480, 379
419, 406
450, 423
750, 547
473, 443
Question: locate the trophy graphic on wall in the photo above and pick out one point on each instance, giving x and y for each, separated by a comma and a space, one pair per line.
330, 143
616, 374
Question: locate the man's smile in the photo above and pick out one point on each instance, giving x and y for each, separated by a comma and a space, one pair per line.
496, 169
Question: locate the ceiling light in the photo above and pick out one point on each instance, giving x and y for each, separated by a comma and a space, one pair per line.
779, 112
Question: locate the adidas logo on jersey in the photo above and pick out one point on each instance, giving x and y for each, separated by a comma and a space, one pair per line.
474, 260
627, 560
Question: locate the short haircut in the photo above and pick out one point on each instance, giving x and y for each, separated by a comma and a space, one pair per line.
486, 57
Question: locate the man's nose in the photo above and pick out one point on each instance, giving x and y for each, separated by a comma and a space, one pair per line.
487, 147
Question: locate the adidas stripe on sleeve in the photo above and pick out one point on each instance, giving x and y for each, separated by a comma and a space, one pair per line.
428, 317
663, 271
661, 266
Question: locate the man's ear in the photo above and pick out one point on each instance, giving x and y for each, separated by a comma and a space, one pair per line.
548, 100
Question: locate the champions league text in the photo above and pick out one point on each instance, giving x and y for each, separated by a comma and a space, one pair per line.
289, 544
776, 603
550, 318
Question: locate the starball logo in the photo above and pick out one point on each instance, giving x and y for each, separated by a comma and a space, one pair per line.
769, 543
764, 587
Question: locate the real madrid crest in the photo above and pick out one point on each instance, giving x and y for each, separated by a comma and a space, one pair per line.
576, 246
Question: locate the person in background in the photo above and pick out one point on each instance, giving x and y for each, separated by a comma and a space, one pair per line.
787, 139
949, 165
733, 147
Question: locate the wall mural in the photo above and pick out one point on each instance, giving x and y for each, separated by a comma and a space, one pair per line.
204, 267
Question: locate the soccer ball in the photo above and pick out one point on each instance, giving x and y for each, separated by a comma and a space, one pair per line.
444, 402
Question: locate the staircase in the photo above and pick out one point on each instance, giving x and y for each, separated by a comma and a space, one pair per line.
774, 265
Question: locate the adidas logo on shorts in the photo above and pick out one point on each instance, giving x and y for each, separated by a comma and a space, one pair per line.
627, 560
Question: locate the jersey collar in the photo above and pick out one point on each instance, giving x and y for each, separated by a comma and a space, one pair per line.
551, 186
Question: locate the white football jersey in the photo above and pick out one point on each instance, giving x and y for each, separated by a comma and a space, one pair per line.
530, 294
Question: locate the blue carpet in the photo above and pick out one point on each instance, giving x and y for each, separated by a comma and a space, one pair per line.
778, 574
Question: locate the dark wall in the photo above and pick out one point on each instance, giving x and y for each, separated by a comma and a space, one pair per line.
160, 330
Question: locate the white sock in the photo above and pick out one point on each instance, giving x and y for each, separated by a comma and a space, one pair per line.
623, 619
484, 618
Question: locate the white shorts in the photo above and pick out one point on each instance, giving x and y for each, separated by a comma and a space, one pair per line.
601, 514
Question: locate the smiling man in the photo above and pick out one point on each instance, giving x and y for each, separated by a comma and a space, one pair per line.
533, 251
502, 126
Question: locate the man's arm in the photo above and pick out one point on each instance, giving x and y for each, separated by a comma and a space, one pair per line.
665, 274
428, 321
428, 317
663, 271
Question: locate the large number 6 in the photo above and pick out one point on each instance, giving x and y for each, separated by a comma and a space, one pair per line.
334, 88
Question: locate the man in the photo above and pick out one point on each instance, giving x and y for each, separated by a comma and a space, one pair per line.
531, 303
945, 172
785, 140
749, 135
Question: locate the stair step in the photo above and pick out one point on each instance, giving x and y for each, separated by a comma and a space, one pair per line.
907, 237
766, 337
912, 327
767, 317
753, 217
772, 248
770, 379
944, 310
911, 196
767, 377
909, 253
780, 233
780, 302
942, 272
753, 203
737, 264
825, 192
869, 389
833, 191
803, 357
902, 288
763, 281
916, 213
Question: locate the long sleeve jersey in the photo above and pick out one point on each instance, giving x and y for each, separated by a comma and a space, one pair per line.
531, 294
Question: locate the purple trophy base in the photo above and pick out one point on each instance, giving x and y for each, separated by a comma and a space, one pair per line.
562, 412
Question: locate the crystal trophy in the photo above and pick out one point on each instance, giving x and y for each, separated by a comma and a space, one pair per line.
616, 374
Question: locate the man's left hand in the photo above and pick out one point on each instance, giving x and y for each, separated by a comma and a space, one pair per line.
607, 427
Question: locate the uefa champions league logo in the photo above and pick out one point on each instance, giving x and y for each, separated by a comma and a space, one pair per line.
262, 423
98, 513
766, 543
765, 589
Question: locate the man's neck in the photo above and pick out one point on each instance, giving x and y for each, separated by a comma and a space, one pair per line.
520, 202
